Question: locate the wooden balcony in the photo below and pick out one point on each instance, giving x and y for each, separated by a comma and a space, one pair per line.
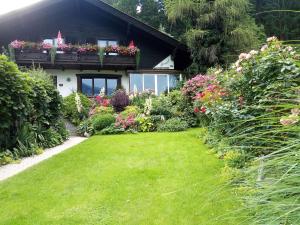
74, 60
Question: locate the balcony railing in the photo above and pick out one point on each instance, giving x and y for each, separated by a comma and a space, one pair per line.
74, 59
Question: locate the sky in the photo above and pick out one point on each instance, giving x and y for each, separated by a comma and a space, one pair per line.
10, 5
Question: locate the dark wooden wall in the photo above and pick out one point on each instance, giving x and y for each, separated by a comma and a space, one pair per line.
80, 22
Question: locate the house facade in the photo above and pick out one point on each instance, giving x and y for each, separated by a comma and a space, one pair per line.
89, 46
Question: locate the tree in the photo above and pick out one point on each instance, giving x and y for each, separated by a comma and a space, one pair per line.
152, 11
216, 30
280, 18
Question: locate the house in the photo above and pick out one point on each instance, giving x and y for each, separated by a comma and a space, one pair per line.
89, 46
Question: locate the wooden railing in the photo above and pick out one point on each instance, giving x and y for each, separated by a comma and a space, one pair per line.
74, 59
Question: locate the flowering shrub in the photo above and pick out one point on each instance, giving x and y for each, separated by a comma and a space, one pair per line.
125, 122
196, 85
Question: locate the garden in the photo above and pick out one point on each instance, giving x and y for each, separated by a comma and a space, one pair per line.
249, 125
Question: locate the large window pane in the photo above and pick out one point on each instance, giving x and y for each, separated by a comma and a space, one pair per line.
112, 85
99, 83
173, 81
136, 81
149, 82
102, 43
162, 84
87, 87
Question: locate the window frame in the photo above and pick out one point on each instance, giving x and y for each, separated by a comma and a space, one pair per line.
97, 76
155, 74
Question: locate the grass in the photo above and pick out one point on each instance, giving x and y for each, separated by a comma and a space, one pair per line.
141, 179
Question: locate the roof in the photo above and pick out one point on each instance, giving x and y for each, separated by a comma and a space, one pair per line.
103, 6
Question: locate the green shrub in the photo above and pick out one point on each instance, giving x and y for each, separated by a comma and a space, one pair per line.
131, 110
112, 129
100, 122
162, 106
235, 159
145, 124
70, 108
86, 128
173, 125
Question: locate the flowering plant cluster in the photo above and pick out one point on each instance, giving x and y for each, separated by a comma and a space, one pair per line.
125, 122
102, 101
196, 85
81, 49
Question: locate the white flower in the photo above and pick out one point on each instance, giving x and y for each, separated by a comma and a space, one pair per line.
237, 63
248, 56
243, 56
102, 92
270, 39
253, 52
148, 106
264, 48
239, 69
295, 112
289, 48
78, 103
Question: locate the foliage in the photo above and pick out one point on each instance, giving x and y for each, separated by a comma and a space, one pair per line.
112, 130
72, 112
86, 128
131, 110
120, 100
99, 122
30, 110
258, 117
145, 123
279, 18
216, 31
139, 99
173, 125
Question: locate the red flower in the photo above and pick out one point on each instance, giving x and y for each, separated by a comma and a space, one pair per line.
203, 109
196, 110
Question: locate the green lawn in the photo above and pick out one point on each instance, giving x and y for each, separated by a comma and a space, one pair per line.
152, 178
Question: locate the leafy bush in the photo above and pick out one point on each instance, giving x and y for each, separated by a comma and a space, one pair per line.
100, 122
235, 159
145, 123
173, 125
86, 128
112, 130
120, 100
30, 111
71, 110
131, 110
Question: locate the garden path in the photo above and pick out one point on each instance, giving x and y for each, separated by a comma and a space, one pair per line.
13, 169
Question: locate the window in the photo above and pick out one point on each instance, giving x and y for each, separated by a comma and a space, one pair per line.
105, 43
92, 85
159, 83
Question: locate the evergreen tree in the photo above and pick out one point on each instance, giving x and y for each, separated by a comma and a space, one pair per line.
216, 30
280, 18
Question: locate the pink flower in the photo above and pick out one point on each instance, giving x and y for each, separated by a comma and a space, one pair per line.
47, 46
243, 56
16, 44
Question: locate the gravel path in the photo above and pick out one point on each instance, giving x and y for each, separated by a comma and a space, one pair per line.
13, 169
